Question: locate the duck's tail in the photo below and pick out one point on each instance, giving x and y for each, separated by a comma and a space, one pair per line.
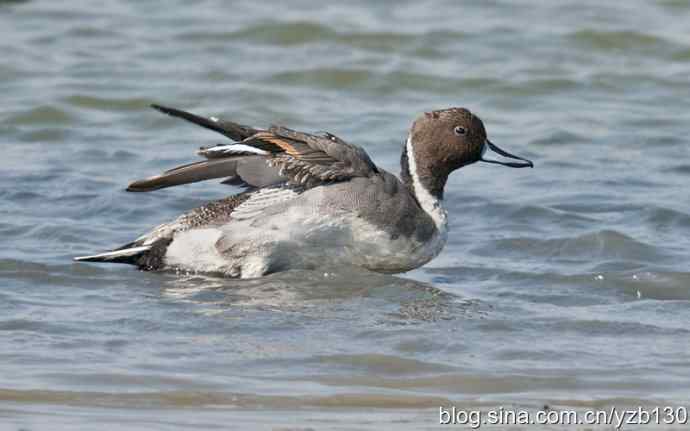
130, 255
148, 256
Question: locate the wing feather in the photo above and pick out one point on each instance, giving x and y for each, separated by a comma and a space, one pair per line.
298, 158
234, 131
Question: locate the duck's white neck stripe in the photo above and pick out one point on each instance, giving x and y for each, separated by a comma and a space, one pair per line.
429, 203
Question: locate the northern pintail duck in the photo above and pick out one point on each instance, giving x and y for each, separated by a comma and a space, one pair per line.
311, 201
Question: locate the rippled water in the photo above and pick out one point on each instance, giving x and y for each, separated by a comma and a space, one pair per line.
566, 285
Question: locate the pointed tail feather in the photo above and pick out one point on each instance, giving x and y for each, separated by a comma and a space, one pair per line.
126, 255
234, 131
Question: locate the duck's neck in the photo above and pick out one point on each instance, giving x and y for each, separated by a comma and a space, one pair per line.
426, 183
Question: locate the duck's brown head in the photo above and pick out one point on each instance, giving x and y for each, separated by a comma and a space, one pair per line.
445, 140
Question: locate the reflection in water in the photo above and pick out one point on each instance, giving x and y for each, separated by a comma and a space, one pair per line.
313, 291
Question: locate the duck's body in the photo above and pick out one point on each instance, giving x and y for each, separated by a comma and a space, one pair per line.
278, 228
312, 202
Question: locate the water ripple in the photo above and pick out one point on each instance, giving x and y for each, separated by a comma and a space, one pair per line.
607, 41
604, 244
107, 104
42, 115
307, 32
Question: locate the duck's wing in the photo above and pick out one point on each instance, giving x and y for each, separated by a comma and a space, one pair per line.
309, 160
265, 157
234, 131
245, 171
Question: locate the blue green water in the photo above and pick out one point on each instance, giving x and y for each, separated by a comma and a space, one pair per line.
565, 285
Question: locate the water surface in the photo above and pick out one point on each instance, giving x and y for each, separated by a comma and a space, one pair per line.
566, 285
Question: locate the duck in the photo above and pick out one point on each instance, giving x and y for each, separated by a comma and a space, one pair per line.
311, 201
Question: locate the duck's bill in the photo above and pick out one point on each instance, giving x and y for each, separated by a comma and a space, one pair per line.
524, 163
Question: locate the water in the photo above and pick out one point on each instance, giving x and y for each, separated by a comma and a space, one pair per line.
565, 285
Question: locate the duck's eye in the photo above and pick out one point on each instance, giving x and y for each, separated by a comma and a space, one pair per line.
459, 130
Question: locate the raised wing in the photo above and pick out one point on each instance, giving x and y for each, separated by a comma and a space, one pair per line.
234, 131
265, 157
